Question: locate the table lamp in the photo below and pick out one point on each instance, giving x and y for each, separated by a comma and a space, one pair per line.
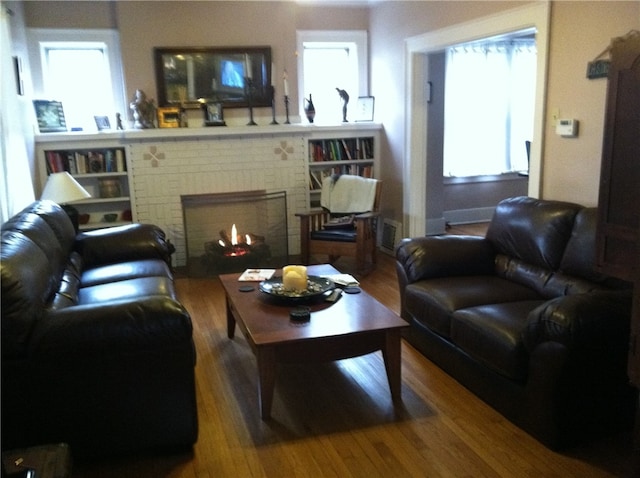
62, 189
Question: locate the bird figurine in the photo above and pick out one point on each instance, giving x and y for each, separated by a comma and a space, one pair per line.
345, 101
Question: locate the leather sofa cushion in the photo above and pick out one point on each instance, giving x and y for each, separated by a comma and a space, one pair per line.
532, 230
127, 289
492, 334
124, 271
38, 231
97, 247
27, 286
432, 302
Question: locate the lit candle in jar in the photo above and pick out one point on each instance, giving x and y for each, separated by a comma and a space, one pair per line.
294, 277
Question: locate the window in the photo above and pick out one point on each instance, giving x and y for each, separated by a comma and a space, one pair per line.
82, 70
330, 60
489, 107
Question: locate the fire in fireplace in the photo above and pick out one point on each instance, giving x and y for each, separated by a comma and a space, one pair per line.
213, 248
234, 252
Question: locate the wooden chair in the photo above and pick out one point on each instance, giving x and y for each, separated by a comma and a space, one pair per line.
358, 241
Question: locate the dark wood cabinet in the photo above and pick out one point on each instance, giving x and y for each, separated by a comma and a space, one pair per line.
619, 202
618, 236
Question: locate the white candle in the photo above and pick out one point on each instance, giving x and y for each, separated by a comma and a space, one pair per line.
247, 67
286, 83
294, 277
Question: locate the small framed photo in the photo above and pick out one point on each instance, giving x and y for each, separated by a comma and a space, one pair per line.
364, 108
102, 122
213, 114
169, 117
50, 116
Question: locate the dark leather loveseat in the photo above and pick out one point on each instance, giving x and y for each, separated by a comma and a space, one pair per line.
97, 351
523, 319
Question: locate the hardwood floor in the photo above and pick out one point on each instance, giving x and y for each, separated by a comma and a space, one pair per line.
337, 419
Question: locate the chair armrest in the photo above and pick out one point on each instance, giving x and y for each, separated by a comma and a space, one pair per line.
366, 216
123, 243
119, 327
596, 321
311, 213
441, 256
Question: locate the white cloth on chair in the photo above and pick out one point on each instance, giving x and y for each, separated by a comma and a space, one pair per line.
348, 194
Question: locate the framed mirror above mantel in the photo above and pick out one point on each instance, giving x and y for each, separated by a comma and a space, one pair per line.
190, 77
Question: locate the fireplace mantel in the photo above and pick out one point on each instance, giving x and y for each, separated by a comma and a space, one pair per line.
213, 132
167, 163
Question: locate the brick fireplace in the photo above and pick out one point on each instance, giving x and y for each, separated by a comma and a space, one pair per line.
230, 232
166, 166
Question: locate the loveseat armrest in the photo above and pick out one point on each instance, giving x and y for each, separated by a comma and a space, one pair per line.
444, 256
596, 321
122, 244
133, 326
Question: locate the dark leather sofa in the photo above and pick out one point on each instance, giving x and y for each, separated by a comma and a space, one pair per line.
97, 351
522, 319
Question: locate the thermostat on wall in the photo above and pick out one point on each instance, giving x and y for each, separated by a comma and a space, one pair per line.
567, 128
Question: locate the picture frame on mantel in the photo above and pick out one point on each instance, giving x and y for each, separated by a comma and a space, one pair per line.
169, 116
50, 116
364, 108
188, 77
213, 114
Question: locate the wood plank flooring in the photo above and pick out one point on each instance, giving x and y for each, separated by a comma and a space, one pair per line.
337, 419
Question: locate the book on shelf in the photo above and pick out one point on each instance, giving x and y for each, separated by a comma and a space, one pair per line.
341, 149
86, 162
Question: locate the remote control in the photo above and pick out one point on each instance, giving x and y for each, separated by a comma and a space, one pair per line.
335, 295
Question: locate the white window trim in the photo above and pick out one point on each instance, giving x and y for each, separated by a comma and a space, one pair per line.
111, 38
359, 37
536, 15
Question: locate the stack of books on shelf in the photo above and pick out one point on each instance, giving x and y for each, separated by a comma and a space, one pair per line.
347, 149
86, 162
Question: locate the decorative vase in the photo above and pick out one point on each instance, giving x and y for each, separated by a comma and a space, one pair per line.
309, 109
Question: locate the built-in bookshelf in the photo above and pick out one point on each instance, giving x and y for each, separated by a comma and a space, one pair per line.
100, 168
348, 154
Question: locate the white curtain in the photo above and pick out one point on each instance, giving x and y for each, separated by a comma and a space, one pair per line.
16, 187
489, 101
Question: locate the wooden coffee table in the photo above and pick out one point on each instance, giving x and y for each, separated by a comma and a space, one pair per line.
357, 324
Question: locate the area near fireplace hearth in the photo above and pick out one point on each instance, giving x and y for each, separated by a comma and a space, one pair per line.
164, 165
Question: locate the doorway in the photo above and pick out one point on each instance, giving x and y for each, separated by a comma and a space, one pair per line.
417, 172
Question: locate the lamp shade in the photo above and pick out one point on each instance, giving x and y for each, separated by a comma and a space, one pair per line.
61, 188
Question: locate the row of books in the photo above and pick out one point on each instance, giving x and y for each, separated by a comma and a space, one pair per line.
347, 149
316, 176
86, 162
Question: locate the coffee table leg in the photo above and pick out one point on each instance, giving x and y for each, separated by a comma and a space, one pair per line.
231, 321
392, 363
266, 358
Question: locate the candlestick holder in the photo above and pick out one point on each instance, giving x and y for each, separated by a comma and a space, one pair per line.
249, 86
272, 93
286, 109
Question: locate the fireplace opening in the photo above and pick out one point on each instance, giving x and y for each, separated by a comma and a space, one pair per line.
231, 232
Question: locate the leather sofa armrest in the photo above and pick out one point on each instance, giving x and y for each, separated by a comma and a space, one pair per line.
442, 256
122, 244
120, 327
596, 321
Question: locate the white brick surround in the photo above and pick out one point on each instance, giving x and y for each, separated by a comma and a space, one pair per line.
164, 169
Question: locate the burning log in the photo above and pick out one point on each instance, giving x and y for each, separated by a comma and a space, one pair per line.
224, 256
